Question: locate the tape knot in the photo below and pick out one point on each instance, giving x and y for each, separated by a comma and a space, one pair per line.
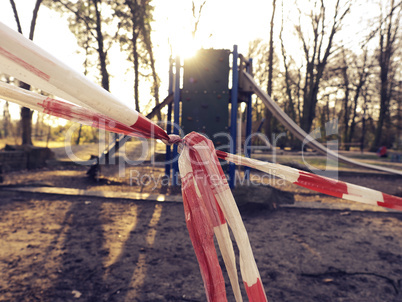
174, 139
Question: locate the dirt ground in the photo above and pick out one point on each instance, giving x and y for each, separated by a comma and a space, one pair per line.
81, 248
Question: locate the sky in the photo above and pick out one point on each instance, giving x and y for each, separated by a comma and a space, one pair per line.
223, 23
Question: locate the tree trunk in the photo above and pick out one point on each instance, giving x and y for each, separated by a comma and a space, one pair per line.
386, 51
77, 141
271, 49
26, 125
345, 105
359, 87
26, 120
136, 71
101, 50
308, 104
384, 103
6, 120
353, 120
26, 113
363, 129
268, 114
136, 13
290, 106
146, 32
308, 111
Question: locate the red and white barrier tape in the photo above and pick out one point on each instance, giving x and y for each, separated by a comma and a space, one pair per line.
319, 183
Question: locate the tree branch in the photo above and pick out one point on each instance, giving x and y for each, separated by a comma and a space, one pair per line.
34, 17
17, 19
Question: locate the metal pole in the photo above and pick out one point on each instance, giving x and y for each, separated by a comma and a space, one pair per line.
233, 114
169, 121
176, 116
247, 150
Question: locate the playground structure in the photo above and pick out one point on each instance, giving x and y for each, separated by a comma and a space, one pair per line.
203, 104
208, 105
204, 95
208, 102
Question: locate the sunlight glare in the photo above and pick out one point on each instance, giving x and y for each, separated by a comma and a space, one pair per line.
186, 50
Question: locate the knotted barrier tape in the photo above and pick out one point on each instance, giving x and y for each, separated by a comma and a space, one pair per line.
208, 203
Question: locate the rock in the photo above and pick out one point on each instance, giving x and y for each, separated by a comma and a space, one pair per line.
76, 294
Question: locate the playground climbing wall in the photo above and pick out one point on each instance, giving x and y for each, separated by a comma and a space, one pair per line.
205, 95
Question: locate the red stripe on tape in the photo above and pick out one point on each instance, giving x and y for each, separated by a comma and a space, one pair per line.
322, 184
73, 112
221, 154
391, 202
24, 64
149, 129
255, 293
201, 235
205, 181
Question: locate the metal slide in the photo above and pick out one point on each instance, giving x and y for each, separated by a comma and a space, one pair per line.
300, 133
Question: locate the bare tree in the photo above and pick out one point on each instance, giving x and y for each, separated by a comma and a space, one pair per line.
87, 48
363, 71
100, 43
268, 114
349, 73
86, 23
146, 30
133, 32
134, 8
388, 34
291, 83
258, 51
347, 90
135, 19
26, 113
197, 16
6, 120
317, 52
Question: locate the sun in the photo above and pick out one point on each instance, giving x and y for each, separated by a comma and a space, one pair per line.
186, 49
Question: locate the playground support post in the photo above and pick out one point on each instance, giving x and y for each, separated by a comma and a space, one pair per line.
247, 151
169, 121
176, 118
233, 114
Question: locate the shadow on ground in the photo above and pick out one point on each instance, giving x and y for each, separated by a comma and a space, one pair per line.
58, 248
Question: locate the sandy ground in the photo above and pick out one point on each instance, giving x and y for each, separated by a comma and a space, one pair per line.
80, 248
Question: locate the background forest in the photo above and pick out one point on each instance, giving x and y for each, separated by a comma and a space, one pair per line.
318, 60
